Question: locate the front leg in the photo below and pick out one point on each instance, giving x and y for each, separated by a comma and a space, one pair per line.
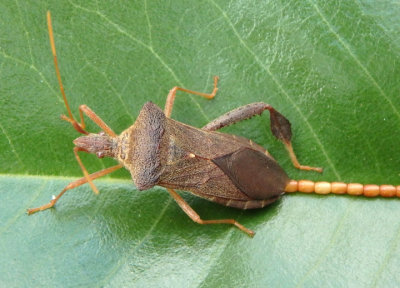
73, 185
80, 127
280, 126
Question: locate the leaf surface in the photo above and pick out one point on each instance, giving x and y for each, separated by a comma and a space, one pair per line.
330, 67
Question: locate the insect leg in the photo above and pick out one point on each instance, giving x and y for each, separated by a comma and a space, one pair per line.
73, 185
172, 93
83, 109
196, 218
85, 172
280, 126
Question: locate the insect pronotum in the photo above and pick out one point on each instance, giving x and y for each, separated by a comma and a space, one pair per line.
223, 168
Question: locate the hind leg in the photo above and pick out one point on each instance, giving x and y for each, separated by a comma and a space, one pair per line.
280, 126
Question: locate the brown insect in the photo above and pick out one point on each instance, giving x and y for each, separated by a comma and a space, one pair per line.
223, 168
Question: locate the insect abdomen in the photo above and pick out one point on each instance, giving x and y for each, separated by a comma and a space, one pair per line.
240, 204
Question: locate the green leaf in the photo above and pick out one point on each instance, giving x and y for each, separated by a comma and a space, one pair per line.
331, 67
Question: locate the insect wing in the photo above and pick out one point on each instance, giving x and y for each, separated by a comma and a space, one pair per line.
254, 173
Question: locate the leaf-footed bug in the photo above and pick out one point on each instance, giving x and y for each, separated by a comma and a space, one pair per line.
223, 168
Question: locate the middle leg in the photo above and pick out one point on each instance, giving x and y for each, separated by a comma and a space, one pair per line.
196, 218
172, 93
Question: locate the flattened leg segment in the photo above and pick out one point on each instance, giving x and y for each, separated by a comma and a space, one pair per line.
280, 126
236, 115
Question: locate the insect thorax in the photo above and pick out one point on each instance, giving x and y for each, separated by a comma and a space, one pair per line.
139, 146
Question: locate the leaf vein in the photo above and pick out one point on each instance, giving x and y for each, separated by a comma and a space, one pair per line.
214, 257
146, 12
128, 255
26, 32
389, 254
109, 83
144, 45
11, 145
280, 87
355, 58
22, 211
328, 247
